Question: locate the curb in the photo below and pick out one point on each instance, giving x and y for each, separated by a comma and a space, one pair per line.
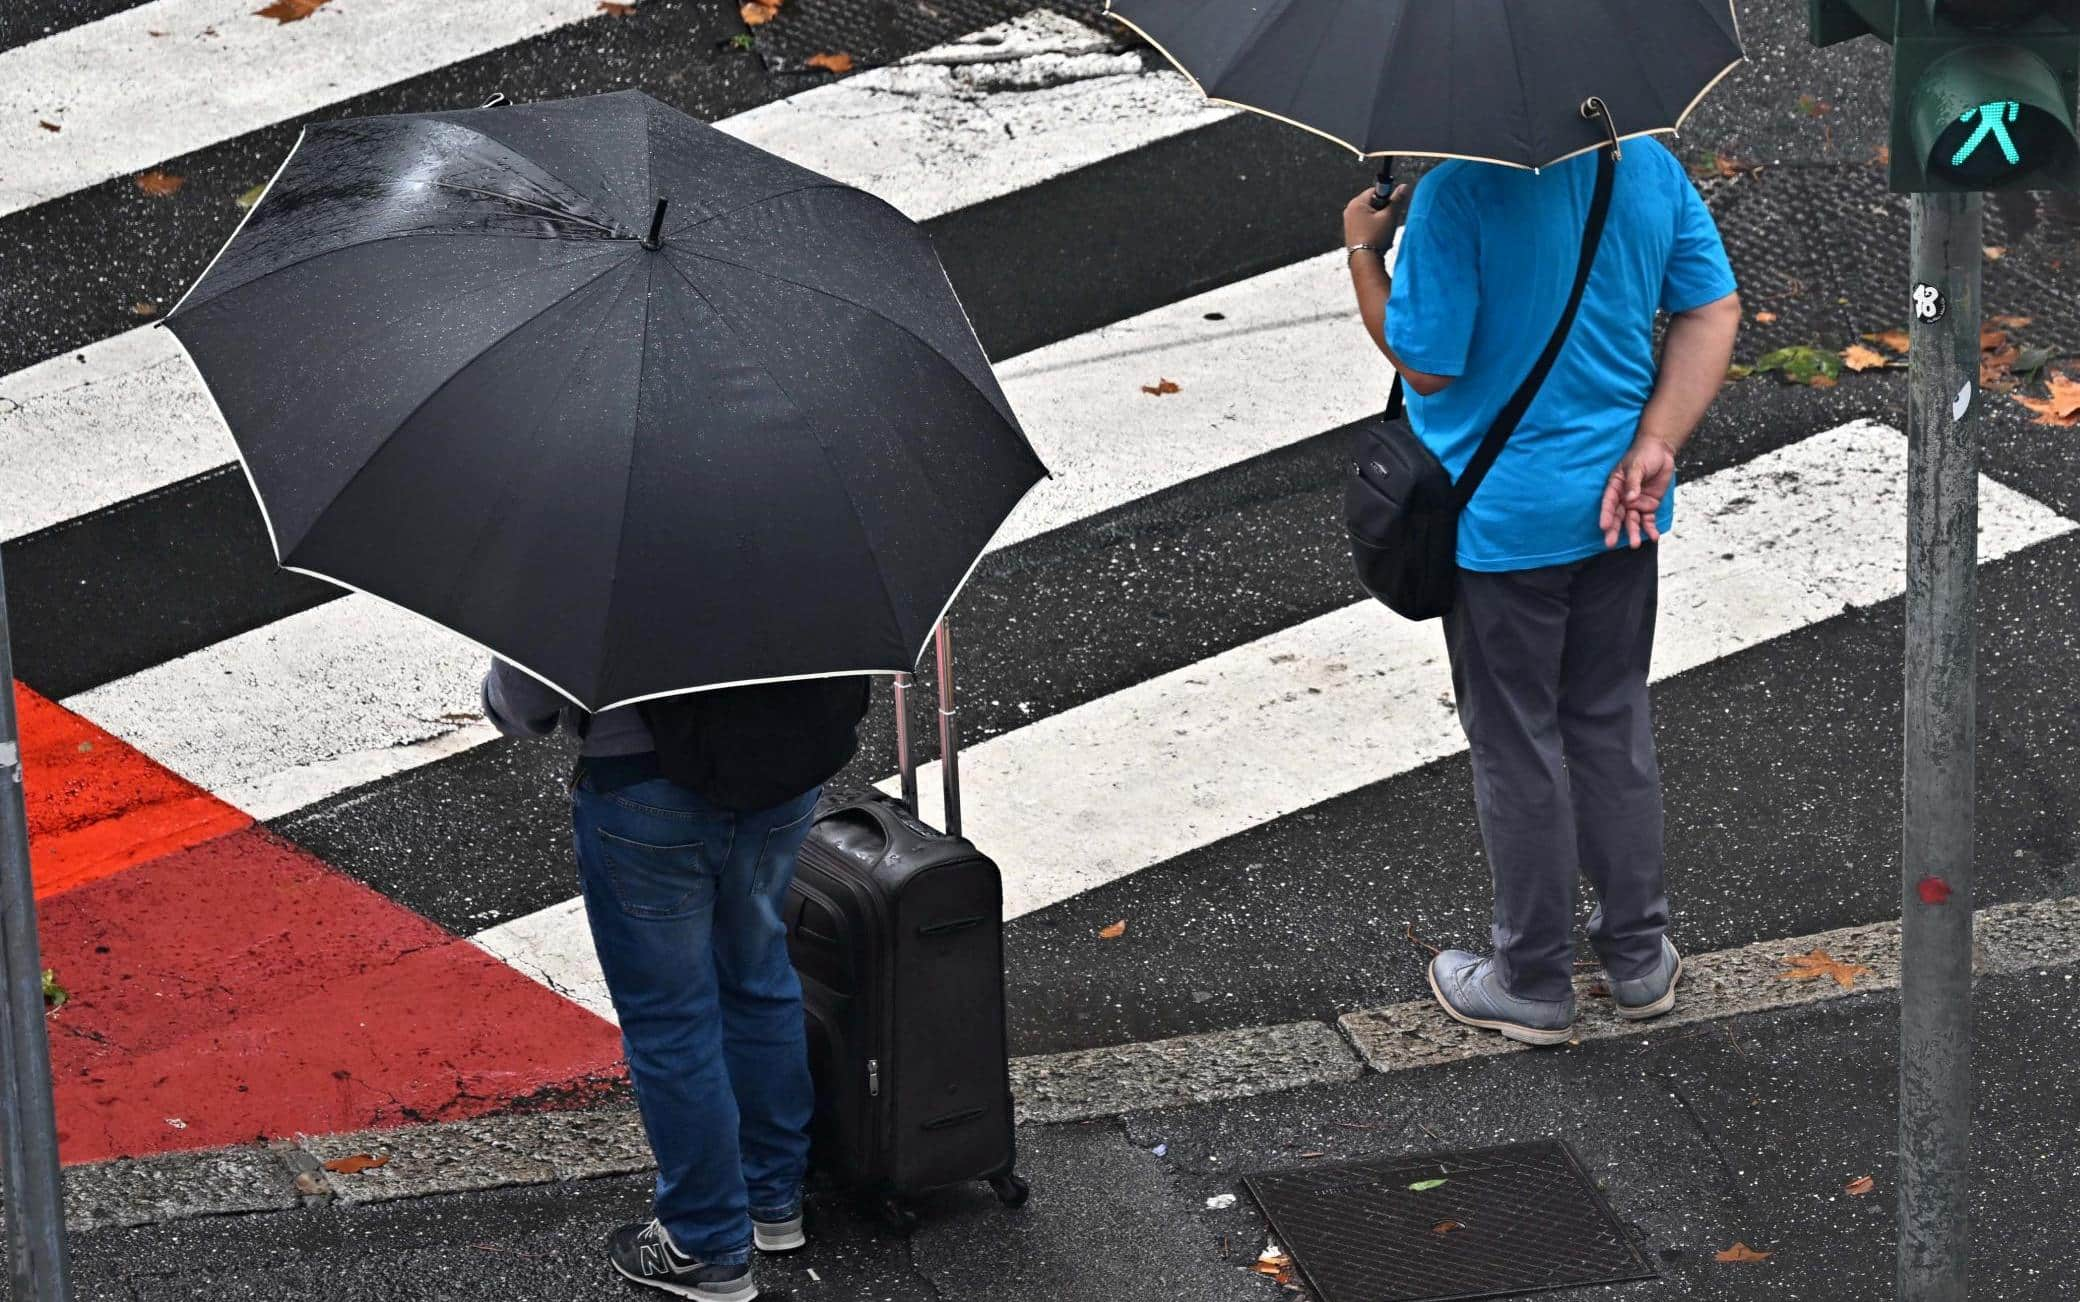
502, 1150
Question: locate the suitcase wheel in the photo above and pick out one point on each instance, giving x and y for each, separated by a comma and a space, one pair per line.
1010, 1189
898, 1216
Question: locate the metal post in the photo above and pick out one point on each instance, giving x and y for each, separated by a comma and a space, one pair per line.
906, 756
949, 731
35, 1200
1935, 1072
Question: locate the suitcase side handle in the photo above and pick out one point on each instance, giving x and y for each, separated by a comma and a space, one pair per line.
952, 1119
951, 925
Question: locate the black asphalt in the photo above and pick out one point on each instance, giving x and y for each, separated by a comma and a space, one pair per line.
1741, 1131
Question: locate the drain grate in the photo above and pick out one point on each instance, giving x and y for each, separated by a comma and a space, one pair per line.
1504, 1221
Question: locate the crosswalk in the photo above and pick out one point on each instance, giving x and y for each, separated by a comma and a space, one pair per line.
1147, 707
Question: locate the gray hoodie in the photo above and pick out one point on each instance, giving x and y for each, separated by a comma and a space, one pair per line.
520, 705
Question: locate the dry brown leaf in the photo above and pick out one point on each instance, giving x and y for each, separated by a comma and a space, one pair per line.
1860, 1186
144, 307
1883, 157
1992, 339
1817, 963
1732, 167
1311, 1155
291, 11
355, 1164
1275, 1264
755, 12
1446, 1227
840, 62
1897, 340
1740, 1252
1996, 368
1160, 387
1766, 317
1995, 252
618, 10
2062, 408
2013, 322
1822, 382
1113, 932
1859, 358
48, 126
159, 184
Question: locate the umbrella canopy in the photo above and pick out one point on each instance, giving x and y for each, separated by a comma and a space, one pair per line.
473, 366
1501, 81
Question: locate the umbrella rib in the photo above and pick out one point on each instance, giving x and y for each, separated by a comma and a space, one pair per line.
1516, 56
435, 392
514, 198
362, 244
748, 206
868, 308
895, 618
628, 479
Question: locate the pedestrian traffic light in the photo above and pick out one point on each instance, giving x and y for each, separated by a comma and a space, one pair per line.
1983, 91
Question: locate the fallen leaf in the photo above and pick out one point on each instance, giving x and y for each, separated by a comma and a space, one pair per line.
159, 184
1276, 1264
618, 10
839, 62
1160, 387
1990, 340
355, 1164
1995, 252
1424, 1186
1732, 167
755, 12
1860, 1186
1766, 318
144, 307
1822, 382
1883, 157
1803, 364
1446, 1227
1897, 340
252, 196
1817, 963
1113, 932
1311, 1155
2062, 408
291, 11
1859, 358
1740, 1252
2013, 322
1739, 372
48, 126
1598, 991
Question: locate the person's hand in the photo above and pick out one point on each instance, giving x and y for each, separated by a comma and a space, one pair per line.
1633, 494
1363, 224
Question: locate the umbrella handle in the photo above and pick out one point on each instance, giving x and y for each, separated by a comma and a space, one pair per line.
1594, 108
1383, 192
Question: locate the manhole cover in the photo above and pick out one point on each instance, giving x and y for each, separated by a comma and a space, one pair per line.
1500, 1221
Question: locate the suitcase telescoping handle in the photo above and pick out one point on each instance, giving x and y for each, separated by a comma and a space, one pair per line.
949, 735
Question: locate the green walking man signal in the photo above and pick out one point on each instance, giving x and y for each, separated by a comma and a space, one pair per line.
1984, 91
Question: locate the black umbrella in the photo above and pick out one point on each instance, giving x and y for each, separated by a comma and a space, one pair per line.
475, 364
1501, 81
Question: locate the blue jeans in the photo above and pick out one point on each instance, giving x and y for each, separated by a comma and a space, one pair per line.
684, 900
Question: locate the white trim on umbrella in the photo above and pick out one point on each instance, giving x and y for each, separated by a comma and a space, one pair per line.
1211, 98
236, 229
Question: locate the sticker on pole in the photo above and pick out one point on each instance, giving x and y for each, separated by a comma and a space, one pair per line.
1929, 303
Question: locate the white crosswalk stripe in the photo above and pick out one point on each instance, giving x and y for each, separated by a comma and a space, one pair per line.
1355, 697
932, 134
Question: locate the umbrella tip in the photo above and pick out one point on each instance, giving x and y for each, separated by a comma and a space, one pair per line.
656, 223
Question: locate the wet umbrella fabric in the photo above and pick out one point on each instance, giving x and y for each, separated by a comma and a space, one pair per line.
1500, 81
459, 379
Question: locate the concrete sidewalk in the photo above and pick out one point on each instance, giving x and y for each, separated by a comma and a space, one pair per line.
1740, 1129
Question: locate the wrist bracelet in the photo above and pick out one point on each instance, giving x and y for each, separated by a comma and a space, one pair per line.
1349, 249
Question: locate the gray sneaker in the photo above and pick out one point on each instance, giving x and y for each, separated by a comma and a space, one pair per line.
1467, 987
779, 1236
1652, 994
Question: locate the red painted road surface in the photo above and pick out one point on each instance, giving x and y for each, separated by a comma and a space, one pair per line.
226, 986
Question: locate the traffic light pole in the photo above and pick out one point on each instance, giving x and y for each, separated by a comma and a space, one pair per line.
1935, 1078
35, 1206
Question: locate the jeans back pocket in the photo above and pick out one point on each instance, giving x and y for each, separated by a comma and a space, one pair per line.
660, 881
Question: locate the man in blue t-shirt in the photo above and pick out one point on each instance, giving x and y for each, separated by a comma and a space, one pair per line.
1552, 626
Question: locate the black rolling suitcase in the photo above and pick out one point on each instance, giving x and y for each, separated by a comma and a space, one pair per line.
897, 932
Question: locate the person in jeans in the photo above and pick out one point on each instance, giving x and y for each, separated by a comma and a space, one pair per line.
683, 887
1552, 627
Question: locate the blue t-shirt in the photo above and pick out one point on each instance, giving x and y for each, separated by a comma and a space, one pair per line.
1486, 264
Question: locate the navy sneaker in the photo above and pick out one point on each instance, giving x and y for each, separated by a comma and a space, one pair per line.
1467, 987
646, 1254
1653, 994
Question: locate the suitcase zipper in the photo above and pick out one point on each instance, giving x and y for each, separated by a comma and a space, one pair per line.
874, 1077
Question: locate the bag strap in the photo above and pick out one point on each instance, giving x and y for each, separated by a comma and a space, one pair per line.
1513, 411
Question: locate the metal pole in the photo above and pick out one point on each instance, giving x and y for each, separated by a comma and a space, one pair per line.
906, 758
35, 1198
1935, 1067
949, 731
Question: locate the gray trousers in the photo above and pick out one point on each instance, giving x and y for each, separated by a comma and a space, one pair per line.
1550, 668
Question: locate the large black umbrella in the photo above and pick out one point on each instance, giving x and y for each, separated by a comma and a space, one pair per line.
1501, 81
476, 365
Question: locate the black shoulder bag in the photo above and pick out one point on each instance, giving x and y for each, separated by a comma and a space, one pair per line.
1400, 504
